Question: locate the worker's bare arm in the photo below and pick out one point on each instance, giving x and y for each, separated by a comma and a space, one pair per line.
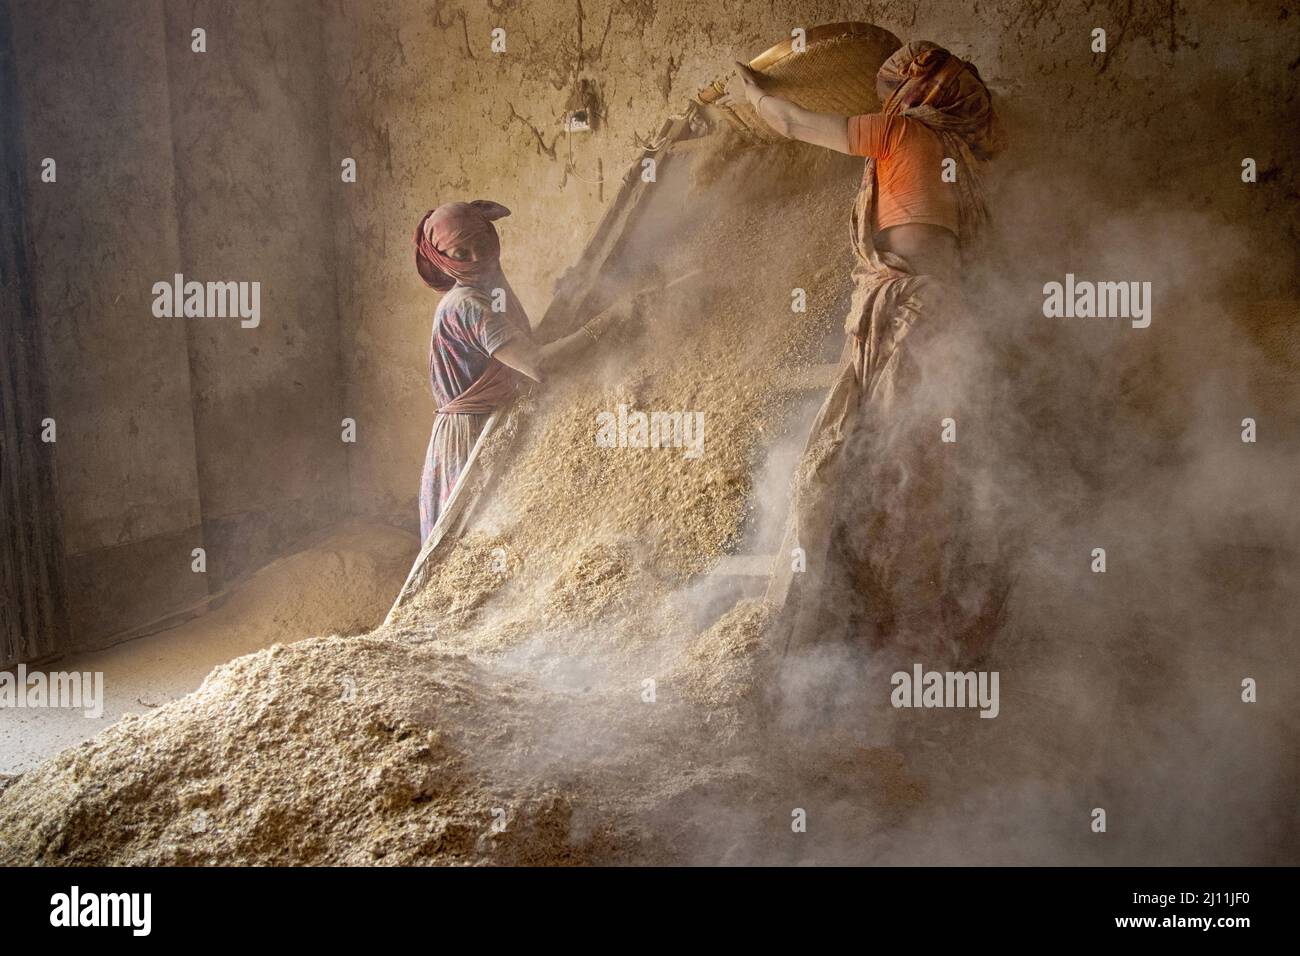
829, 130
557, 354
522, 354
537, 362
820, 129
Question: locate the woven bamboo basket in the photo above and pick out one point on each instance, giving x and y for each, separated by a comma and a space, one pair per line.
836, 73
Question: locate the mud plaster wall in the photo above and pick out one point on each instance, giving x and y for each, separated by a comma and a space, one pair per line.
180, 433
249, 133
431, 114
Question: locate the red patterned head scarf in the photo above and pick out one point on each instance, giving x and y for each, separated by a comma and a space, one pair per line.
467, 227
923, 80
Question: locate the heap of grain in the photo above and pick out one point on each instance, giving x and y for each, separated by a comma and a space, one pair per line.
569, 676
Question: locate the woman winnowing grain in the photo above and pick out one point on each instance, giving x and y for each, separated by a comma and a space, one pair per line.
919, 206
481, 340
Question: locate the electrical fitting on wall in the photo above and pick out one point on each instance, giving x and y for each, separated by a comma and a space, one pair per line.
582, 110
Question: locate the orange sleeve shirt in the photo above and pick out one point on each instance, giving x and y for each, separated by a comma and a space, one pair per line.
909, 165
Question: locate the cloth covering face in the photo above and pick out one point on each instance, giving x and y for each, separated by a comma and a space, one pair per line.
465, 227
945, 92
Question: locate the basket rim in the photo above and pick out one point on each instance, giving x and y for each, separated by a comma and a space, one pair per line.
827, 31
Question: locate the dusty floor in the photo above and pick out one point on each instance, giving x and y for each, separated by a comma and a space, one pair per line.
343, 583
